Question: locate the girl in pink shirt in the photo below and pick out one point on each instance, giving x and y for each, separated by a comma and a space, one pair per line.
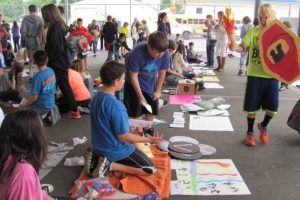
23, 148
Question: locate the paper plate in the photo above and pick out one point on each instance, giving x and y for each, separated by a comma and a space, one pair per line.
207, 150
190, 108
184, 156
163, 146
183, 139
210, 113
184, 147
223, 106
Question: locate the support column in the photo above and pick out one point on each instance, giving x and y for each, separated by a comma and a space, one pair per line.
67, 11
299, 22
258, 3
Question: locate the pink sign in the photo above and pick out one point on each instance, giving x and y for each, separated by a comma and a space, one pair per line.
183, 99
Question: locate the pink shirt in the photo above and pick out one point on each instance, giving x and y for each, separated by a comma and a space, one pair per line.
22, 184
77, 85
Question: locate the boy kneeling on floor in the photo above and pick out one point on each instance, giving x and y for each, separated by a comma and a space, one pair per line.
43, 87
110, 129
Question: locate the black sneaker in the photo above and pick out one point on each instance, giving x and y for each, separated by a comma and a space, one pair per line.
104, 169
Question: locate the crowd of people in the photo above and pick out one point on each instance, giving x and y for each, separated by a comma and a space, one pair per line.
61, 58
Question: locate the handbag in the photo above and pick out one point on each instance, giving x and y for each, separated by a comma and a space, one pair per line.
294, 118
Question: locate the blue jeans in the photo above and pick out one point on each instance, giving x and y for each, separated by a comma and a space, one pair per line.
211, 53
243, 58
94, 44
110, 55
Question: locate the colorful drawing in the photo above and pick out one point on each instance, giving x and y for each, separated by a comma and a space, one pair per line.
208, 177
208, 79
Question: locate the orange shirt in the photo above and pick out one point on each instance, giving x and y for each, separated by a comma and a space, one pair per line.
79, 89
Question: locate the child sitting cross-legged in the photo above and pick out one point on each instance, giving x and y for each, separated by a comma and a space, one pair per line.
110, 128
43, 87
180, 65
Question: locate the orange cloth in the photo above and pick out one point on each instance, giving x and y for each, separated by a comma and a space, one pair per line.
77, 85
140, 185
159, 181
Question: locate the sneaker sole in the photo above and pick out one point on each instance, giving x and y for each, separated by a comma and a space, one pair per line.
248, 145
72, 117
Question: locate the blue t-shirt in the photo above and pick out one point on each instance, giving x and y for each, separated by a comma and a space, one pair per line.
44, 85
139, 61
108, 120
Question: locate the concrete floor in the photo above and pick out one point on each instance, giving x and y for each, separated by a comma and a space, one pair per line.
271, 172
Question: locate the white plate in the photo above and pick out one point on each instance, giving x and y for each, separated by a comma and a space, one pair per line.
163, 146
183, 139
211, 112
223, 106
190, 108
207, 150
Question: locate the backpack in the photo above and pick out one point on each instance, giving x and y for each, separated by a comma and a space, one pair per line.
72, 43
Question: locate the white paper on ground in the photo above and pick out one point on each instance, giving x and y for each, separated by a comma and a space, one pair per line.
174, 164
215, 123
178, 114
176, 188
213, 86
166, 91
208, 177
179, 120
176, 125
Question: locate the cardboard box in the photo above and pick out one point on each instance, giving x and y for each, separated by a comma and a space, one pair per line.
186, 87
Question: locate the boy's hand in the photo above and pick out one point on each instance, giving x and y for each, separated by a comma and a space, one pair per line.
143, 100
156, 95
157, 138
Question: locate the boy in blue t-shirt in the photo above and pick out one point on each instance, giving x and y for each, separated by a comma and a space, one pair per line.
110, 129
146, 67
43, 86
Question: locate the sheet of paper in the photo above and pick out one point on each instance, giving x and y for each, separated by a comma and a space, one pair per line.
176, 125
178, 114
213, 86
179, 120
208, 177
208, 79
15, 105
176, 188
183, 99
148, 107
215, 123
174, 164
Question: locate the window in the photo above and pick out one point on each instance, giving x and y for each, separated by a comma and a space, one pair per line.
190, 21
198, 10
196, 21
179, 20
184, 21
